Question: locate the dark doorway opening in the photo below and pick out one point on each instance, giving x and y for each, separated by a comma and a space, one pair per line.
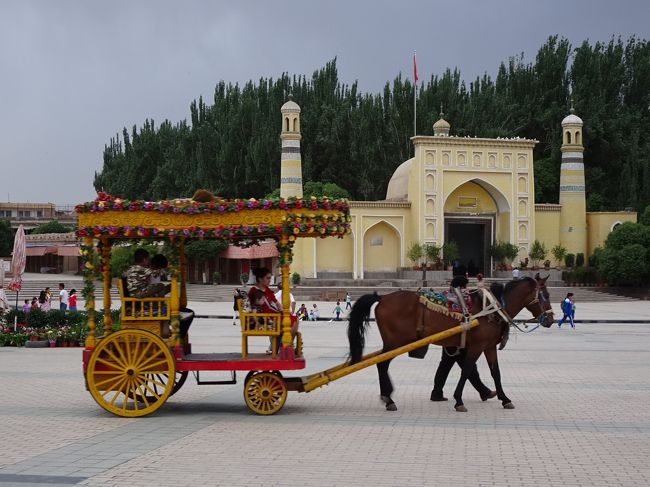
473, 239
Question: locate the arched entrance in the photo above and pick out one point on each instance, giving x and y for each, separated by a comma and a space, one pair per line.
476, 214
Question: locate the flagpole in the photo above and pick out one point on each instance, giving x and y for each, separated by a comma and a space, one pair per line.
415, 96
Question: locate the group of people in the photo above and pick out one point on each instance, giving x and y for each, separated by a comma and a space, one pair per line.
67, 300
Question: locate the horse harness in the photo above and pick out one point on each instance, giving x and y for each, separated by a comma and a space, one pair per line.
490, 306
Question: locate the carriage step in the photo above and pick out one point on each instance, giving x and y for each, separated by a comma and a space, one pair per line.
233, 379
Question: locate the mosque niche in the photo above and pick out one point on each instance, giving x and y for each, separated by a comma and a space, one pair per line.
446, 157
523, 208
492, 160
521, 162
522, 185
430, 207
523, 232
431, 229
477, 159
430, 184
430, 158
462, 159
507, 161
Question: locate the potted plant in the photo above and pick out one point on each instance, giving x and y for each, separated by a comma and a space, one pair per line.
216, 277
295, 278
415, 254
450, 253
559, 252
547, 265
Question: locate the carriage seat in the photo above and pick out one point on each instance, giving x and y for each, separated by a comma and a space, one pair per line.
151, 314
258, 324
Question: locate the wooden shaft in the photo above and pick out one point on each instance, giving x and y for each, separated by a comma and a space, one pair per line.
344, 369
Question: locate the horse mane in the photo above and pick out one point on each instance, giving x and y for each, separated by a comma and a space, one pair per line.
499, 290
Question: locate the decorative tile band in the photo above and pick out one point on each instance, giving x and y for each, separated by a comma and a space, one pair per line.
572, 166
572, 189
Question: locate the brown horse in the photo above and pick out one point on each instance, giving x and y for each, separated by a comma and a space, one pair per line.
402, 319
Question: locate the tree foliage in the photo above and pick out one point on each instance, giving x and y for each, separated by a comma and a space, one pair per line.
356, 140
625, 259
53, 226
6, 238
204, 250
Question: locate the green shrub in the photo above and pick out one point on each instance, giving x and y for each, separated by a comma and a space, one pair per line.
537, 252
569, 260
580, 259
37, 318
216, 277
559, 252
295, 278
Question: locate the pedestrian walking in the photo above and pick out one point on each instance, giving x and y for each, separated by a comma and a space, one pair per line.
348, 301
63, 297
338, 310
567, 310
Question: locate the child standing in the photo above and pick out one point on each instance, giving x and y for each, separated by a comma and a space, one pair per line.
338, 311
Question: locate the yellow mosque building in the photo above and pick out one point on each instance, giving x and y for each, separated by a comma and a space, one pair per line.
473, 191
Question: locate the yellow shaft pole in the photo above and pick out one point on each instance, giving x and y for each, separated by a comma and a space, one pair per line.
344, 369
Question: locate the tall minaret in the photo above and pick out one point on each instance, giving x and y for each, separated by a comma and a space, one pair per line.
573, 215
291, 165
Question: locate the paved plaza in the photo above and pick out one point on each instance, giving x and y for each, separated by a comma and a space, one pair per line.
581, 418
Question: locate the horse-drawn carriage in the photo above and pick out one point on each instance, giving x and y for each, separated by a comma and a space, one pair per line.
134, 370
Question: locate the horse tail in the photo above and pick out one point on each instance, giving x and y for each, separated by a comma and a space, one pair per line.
359, 321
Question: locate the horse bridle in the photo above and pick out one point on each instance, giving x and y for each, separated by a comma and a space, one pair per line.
540, 298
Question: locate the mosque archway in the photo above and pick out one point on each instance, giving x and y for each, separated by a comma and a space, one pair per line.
381, 248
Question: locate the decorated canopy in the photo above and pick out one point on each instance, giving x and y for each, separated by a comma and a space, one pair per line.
238, 219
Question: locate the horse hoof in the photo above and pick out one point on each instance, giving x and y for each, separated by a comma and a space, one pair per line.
489, 396
435, 398
460, 409
508, 405
390, 405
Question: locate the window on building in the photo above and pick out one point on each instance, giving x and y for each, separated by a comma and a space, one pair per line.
24, 213
377, 241
39, 213
5, 213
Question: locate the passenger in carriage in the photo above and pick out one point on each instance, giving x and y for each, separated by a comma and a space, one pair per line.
452, 355
139, 285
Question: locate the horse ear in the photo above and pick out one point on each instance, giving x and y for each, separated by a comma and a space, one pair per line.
537, 278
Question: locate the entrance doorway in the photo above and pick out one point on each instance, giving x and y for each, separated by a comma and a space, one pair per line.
473, 237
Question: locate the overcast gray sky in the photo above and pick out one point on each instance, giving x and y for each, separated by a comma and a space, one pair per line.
73, 73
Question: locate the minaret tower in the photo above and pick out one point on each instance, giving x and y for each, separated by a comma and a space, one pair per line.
573, 215
291, 164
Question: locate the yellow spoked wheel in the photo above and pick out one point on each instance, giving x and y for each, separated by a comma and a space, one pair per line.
265, 392
128, 373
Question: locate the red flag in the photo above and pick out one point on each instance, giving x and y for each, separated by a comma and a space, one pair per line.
415, 70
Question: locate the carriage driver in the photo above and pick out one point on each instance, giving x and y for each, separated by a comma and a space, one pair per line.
139, 285
452, 355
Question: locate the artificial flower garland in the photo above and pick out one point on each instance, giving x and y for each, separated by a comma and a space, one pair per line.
106, 202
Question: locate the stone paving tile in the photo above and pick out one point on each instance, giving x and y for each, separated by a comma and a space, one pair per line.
581, 418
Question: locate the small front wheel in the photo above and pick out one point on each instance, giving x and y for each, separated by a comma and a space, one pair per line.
265, 392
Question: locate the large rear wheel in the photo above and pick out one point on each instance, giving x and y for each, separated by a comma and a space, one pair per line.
128, 373
265, 392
